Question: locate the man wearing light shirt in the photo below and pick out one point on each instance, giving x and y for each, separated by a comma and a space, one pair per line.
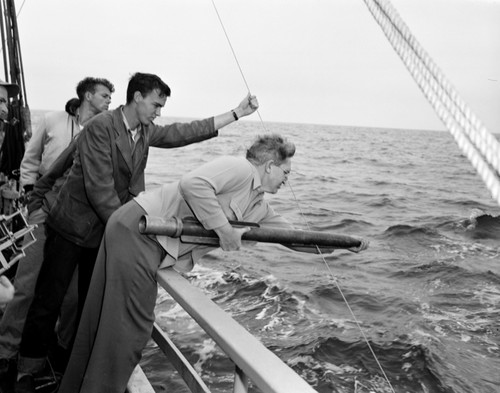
57, 129
124, 286
54, 133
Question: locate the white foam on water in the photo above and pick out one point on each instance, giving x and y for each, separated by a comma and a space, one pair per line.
489, 296
421, 337
205, 352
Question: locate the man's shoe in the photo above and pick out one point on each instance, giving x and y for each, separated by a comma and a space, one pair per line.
25, 385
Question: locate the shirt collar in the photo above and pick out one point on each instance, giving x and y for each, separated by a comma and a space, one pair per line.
76, 119
257, 183
138, 128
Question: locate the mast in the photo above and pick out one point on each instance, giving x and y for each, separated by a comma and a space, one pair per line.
18, 126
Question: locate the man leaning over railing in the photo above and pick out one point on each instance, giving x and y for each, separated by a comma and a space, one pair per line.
118, 316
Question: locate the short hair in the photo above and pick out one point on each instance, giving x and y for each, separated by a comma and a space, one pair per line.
270, 147
89, 84
145, 84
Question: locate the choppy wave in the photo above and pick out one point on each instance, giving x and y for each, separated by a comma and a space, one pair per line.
425, 295
482, 226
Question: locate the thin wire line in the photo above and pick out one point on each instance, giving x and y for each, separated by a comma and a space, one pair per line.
236, 59
305, 220
230, 46
17, 16
341, 292
20, 8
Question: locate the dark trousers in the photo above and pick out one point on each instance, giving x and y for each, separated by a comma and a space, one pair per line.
60, 259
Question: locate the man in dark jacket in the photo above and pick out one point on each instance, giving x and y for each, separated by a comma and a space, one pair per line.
107, 171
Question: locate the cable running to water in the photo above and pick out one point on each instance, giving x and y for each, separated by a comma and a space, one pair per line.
305, 220
337, 285
236, 59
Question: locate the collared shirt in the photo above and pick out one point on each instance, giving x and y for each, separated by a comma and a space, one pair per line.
134, 134
53, 134
77, 122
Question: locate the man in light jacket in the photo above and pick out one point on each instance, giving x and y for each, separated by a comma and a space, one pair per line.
119, 313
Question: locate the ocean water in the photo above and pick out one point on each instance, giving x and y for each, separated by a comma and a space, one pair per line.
426, 294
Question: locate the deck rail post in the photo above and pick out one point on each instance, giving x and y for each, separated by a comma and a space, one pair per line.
255, 362
240, 380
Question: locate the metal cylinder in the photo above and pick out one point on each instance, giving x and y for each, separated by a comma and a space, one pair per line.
174, 227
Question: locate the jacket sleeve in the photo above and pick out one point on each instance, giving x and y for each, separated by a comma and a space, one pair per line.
32, 158
95, 154
200, 188
272, 219
57, 170
182, 134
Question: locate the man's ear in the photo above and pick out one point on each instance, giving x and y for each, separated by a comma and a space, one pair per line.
268, 166
138, 96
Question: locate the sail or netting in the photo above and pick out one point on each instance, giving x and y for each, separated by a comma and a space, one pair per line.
475, 141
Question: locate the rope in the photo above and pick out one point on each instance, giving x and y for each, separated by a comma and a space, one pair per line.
17, 16
365, 338
477, 144
236, 59
308, 226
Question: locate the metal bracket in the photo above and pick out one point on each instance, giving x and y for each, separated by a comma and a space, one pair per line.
13, 229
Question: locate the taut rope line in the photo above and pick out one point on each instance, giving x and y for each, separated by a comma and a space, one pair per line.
477, 144
17, 15
236, 58
343, 296
308, 226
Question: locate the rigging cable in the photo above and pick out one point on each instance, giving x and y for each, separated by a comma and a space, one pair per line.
236, 59
17, 16
475, 141
308, 226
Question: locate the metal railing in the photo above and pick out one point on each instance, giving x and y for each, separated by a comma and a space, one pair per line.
253, 361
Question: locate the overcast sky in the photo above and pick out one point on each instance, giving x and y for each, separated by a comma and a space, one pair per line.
308, 61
